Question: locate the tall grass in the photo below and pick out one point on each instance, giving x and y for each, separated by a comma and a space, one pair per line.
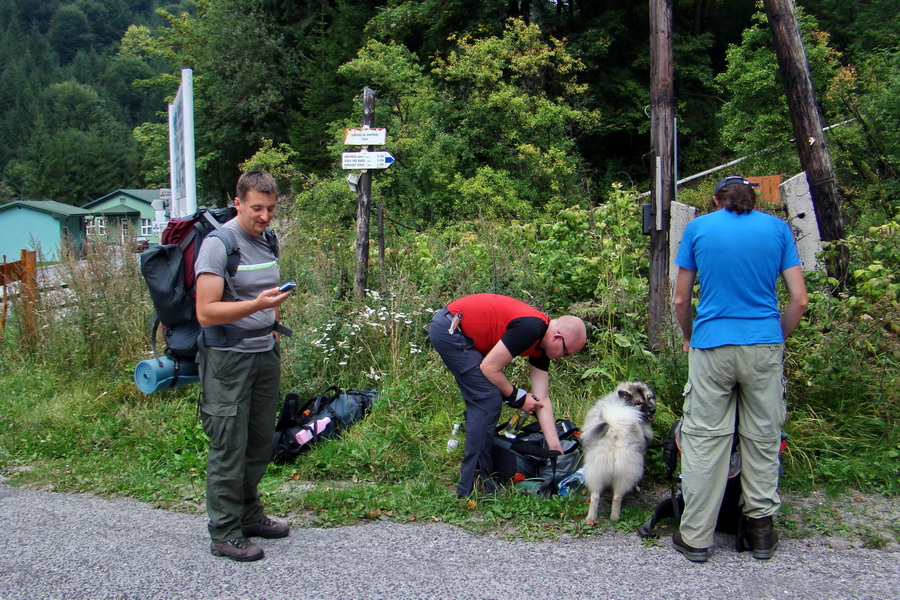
73, 418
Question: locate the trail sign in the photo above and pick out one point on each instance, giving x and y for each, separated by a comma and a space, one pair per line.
375, 136
366, 160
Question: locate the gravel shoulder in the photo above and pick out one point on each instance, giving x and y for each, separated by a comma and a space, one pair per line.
78, 546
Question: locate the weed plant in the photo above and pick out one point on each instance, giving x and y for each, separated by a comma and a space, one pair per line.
74, 420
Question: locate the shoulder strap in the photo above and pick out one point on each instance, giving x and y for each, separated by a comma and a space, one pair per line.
151, 333
232, 250
289, 412
272, 240
315, 404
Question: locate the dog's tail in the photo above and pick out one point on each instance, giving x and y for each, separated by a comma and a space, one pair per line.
593, 434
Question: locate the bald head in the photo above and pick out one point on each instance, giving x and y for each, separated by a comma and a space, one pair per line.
565, 336
573, 328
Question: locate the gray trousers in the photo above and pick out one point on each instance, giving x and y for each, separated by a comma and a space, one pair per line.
483, 400
240, 399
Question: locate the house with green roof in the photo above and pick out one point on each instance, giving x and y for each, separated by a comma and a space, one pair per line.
123, 215
45, 226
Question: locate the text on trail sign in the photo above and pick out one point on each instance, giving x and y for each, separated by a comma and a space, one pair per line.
366, 160
365, 137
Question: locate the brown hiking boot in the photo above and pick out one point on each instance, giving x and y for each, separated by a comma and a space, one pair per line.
240, 549
761, 537
266, 528
691, 553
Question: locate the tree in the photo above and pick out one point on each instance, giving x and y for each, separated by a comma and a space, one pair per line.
809, 135
755, 117
490, 130
244, 78
69, 32
77, 151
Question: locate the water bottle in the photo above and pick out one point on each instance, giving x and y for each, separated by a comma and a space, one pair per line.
571, 483
306, 434
453, 442
515, 424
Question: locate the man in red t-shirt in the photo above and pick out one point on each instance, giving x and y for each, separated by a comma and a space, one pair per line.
477, 336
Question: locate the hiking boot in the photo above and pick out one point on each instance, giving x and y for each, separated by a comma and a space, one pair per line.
691, 553
761, 537
240, 549
266, 528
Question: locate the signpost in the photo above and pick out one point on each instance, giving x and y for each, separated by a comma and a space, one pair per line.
366, 160
375, 136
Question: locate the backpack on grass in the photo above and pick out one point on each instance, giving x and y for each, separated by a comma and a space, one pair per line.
731, 519
321, 417
525, 463
168, 271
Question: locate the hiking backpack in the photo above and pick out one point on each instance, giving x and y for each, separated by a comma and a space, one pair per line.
731, 519
321, 417
168, 271
525, 463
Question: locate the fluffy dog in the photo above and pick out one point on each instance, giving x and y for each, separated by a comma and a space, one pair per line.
614, 438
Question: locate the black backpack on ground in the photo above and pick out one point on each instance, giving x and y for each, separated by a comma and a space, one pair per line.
525, 463
731, 519
168, 271
321, 417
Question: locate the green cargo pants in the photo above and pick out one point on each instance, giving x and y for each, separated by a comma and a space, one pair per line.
749, 380
240, 399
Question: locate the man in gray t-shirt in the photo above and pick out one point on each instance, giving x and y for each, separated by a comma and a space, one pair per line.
241, 380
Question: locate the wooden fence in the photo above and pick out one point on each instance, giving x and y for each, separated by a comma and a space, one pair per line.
23, 270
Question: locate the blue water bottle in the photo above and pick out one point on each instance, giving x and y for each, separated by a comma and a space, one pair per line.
571, 483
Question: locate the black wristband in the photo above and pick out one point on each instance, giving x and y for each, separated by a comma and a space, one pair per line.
514, 400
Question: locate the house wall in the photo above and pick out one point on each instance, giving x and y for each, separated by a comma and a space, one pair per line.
113, 224
28, 229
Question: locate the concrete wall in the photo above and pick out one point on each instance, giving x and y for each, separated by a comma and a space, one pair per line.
801, 216
681, 215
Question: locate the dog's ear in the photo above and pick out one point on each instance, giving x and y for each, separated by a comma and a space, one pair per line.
625, 395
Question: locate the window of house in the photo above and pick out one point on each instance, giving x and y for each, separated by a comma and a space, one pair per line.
146, 227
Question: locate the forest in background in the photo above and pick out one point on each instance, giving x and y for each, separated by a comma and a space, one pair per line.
493, 108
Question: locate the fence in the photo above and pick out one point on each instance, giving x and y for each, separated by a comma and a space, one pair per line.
23, 270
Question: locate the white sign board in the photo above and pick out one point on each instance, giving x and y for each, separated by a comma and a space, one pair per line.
365, 137
366, 160
181, 148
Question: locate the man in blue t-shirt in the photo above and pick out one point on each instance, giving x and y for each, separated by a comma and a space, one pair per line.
736, 350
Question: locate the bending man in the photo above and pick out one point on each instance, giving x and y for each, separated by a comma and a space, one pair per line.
477, 336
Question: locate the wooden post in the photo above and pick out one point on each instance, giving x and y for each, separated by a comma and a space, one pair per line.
662, 190
3, 277
363, 208
808, 133
29, 294
381, 245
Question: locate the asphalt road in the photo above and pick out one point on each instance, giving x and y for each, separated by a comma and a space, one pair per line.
64, 546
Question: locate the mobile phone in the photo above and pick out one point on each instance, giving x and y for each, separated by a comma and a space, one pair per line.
286, 287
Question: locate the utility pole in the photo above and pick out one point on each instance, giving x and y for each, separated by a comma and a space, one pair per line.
808, 133
363, 207
662, 190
